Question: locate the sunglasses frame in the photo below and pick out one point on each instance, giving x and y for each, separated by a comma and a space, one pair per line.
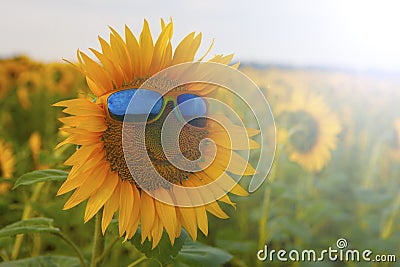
171, 96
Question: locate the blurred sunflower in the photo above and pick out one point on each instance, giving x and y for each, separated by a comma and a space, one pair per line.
59, 78
7, 163
99, 171
312, 130
4, 82
27, 83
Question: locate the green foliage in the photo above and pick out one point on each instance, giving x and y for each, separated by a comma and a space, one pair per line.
34, 177
43, 261
165, 252
196, 254
30, 226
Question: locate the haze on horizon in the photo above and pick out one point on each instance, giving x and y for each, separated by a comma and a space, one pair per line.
356, 34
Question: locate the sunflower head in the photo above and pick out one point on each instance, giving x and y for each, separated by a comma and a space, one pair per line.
312, 130
100, 173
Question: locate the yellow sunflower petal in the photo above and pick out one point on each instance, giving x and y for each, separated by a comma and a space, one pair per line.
89, 186
115, 70
83, 153
156, 231
133, 50
166, 213
160, 50
119, 47
187, 49
110, 207
97, 200
126, 206
147, 214
90, 139
202, 219
98, 75
216, 210
135, 214
89, 123
146, 49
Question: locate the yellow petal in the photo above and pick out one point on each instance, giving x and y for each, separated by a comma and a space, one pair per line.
90, 123
83, 153
96, 88
89, 186
208, 51
132, 46
160, 50
216, 210
135, 214
187, 217
114, 70
147, 213
146, 49
97, 200
76, 139
156, 232
166, 213
225, 121
232, 139
187, 49
110, 207
225, 181
202, 220
231, 161
119, 48
97, 74
126, 206
80, 106
105, 47
222, 59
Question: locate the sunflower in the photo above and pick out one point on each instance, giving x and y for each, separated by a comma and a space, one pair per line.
6, 165
4, 81
99, 171
59, 78
312, 130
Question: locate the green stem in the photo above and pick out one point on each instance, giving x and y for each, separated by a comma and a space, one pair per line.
99, 240
264, 219
108, 249
138, 261
74, 247
25, 215
264, 235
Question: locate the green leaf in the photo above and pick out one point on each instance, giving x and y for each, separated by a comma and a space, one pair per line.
34, 225
40, 176
165, 252
43, 261
198, 254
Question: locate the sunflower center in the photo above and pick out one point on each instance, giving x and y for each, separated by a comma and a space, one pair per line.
305, 131
57, 76
189, 140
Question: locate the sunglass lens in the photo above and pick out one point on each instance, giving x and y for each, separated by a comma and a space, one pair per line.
146, 104
193, 109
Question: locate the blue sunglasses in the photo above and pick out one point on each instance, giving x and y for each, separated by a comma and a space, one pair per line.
148, 106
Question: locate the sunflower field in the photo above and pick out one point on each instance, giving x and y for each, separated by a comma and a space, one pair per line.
335, 176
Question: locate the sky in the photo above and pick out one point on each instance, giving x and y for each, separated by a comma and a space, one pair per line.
355, 34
